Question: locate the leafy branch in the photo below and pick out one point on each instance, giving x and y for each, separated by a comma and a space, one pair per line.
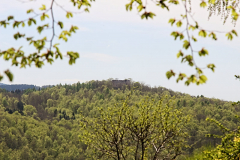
42, 54
224, 7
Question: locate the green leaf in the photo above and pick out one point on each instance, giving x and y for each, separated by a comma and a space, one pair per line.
4, 23
186, 44
176, 35
34, 21
18, 35
191, 27
191, 79
62, 36
194, 39
15, 36
202, 33
147, 14
203, 4
23, 24
86, 10
229, 36
16, 24
183, 16
1, 77
60, 24
199, 71
128, 6
73, 29
162, 4
211, 66
69, 14
174, 2
235, 15
72, 57
172, 21
40, 29
211, 1
179, 24
180, 54
196, 26
203, 52
29, 22
181, 76
9, 75
10, 18
213, 36
43, 16
203, 79
43, 7
169, 74
189, 59
29, 38
140, 8
234, 32
29, 11
181, 36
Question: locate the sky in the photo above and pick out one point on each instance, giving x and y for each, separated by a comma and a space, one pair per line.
114, 43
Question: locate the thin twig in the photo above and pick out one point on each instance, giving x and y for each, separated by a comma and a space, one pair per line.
53, 30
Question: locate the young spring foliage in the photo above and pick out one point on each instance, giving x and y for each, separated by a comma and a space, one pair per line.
30, 118
46, 48
188, 25
150, 129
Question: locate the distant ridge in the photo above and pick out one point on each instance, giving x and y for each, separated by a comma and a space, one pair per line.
14, 87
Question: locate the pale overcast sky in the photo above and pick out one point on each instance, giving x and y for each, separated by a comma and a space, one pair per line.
114, 43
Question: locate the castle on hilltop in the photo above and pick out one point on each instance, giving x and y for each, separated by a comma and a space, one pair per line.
120, 83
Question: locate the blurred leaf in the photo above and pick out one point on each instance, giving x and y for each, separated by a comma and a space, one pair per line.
180, 54
9, 75
181, 76
191, 28
202, 33
194, 39
213, 35
179, 24
29, 11
203, 52
1, 77
234, 32
69, 14
43, 7
172, 21
211, 66
203, 79
169, 74
60, 24
203, 4
229, 36
186, 44
173, 2
10, 18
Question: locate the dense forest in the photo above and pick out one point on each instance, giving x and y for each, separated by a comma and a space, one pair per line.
46, 123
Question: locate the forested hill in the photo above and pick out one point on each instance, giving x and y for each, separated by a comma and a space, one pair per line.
18, 87
44, 124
